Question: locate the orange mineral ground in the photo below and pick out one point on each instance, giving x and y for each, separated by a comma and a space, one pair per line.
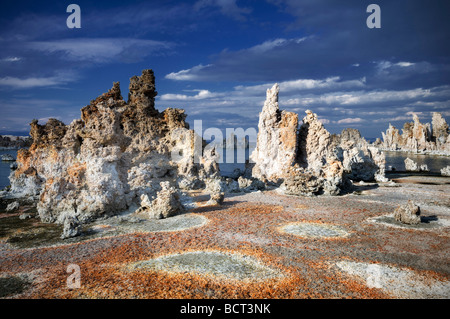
336, 247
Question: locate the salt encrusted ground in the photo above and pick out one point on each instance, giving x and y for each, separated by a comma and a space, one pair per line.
313, 230
372, 260
402, 283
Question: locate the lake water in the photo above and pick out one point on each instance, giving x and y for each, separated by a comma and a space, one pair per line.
227, 167
434, 162
4, 168
394, 159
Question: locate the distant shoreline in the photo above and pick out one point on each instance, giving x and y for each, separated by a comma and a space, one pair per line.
10, 148
434, 153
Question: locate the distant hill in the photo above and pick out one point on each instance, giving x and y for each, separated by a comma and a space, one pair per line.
13, 141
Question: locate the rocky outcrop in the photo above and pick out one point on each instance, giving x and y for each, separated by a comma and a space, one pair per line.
276, 146
419, 138
71, 227
440, 132
315, 143
308, 159
105, 161
445, 171
360, 160
302, 182
216, 199
12, 206
408, 213
412, 166
166, 204
250, 184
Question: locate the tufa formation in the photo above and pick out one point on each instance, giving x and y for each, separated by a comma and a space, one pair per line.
418, 137
308, 160
104, 162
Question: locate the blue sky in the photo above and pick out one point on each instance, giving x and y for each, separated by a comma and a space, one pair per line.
216, 58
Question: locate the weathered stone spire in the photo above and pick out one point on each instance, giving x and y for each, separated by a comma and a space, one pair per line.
142, 91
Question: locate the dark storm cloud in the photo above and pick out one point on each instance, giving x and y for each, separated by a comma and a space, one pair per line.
336, 37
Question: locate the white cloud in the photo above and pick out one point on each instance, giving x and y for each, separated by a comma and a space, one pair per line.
381, 96
393, 119
303, 84
251, 93
383, 65
404, 69
295, 101
201, 72
201, 95
407, 116
188, 74
33, 82
44, 120
28, 82
247, 99
272, 44
331, 82
350, 120
100, 49
11, 59
324, 121
372, 97
404, 64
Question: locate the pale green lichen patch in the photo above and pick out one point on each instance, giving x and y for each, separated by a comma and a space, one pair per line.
175, 223
313, 230
215, 263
